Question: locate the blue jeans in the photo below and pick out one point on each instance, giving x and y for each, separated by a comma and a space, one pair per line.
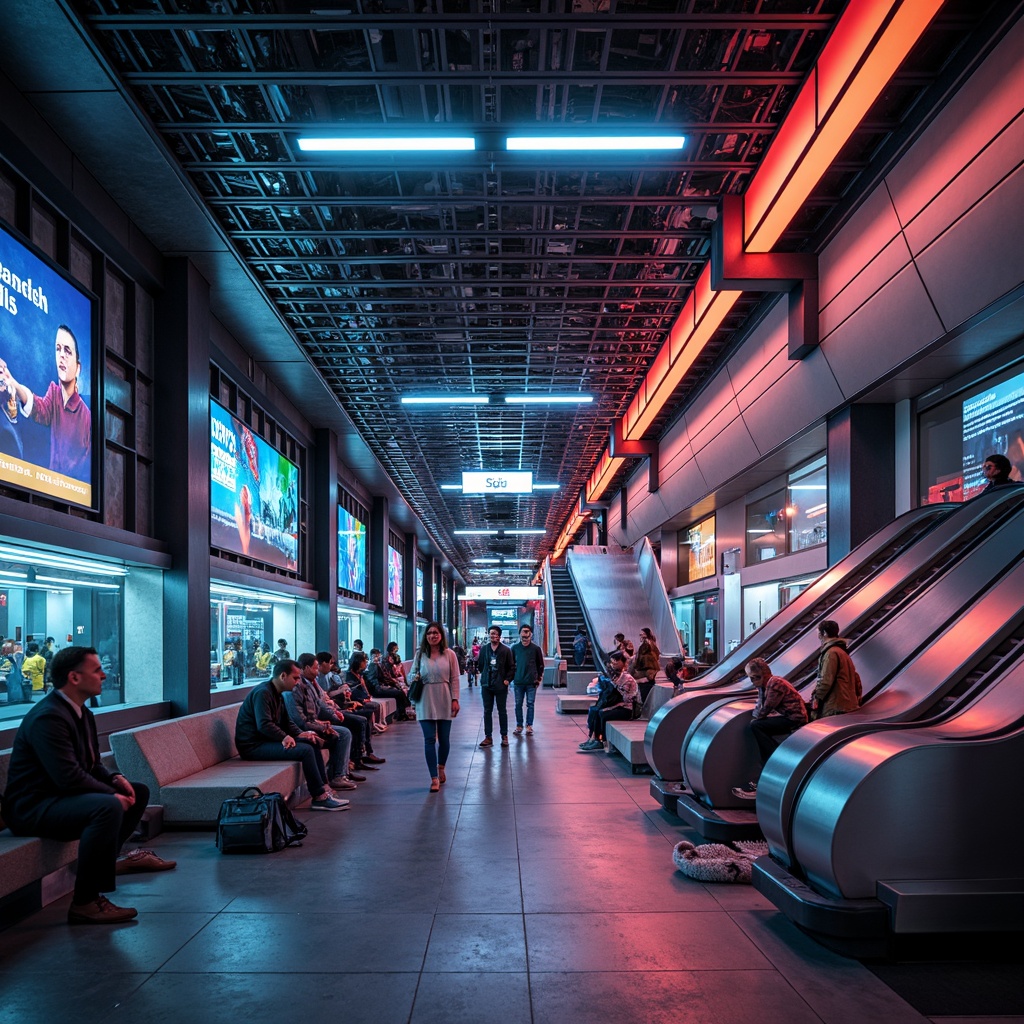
310, 756
436, 742
530, 693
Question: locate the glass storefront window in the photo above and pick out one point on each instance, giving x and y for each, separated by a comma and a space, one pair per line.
697, 623
50, 599
766, 528
353, 624
396, 632
793, 518
762, 601
245, 627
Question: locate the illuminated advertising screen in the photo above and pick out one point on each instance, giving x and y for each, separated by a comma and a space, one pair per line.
993, 424
505, 617
419, 589
351, 552
701, 539
394, 576
47, 378
254, 494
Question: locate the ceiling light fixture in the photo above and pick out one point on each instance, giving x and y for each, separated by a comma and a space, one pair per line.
582, 143
525, 533
445, 399
389, 144
547, 487
539, 399
451, 487
486, 561
475, 533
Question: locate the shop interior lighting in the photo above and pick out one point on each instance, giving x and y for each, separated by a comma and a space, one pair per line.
220, 590
585, 143
541, 399
14, 575
80, 583
389, 144
445, 399
52, 561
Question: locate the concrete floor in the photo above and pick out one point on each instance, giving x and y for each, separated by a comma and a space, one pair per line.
537, 886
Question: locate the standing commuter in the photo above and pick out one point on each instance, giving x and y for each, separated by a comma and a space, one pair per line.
647, 663
838, 689
438, 703
497, 669
529, 675
779, 711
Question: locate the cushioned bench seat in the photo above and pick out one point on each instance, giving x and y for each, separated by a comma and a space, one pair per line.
191, 766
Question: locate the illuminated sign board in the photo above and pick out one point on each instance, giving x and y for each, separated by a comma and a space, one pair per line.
497, 482
701, 539
501, 594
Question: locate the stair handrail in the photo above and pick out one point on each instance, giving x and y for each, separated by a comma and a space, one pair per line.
664, 623
551, 642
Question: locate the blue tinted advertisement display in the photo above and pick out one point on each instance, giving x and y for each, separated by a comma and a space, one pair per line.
394, 576
46, 373
419, 589
351, 552
993, 425
254, 494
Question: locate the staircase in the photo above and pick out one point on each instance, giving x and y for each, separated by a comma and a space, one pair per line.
568, 615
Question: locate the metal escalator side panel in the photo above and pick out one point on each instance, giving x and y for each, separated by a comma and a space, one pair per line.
720, 752
902, 805
663, 738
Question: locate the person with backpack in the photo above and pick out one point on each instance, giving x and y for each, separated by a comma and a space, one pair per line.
838, 689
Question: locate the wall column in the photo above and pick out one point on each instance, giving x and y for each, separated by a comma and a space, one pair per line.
181, 475
324, 504
377, 554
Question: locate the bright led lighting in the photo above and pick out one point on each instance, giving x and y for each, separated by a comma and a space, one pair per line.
445, 399
451, 487
526, 533
547, 487
422, 144
475, 533
487, 561
539, 399
78, 583
582, 143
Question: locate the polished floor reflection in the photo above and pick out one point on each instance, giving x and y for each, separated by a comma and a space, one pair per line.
537, 886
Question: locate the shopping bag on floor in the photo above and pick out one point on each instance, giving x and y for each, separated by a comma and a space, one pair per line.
257, 822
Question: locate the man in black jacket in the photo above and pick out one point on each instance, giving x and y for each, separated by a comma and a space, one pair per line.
497, 669
58, 788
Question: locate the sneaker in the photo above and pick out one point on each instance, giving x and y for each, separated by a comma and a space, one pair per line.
341, 783
373, 759
590, 746
487, 742
517, 730
328, 803
141, 860
750, 793
504, 741
583, 744
100, 911
529, 730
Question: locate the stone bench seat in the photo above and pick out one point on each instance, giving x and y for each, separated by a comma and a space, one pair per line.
572, 703
627, 738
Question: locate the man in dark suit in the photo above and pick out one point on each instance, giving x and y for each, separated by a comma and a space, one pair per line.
497, 669
58, 788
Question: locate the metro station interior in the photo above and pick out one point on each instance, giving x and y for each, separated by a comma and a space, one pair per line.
587, 315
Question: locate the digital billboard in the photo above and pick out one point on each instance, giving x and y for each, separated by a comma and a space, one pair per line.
993, 424
254, 494
47, 377
351, 552
394, 576
419, 589
701, 539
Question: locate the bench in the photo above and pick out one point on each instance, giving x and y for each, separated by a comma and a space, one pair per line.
627, 738
191, 766
33, 872
571, 703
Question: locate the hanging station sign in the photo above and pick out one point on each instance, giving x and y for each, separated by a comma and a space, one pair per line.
497, 482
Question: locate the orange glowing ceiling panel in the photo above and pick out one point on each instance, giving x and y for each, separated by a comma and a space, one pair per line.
602, 476
896, 41
850, 40
682, 329
788, 146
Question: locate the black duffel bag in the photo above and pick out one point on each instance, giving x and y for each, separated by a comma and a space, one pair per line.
257, 822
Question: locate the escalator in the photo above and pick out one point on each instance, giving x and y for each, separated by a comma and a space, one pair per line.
568, 614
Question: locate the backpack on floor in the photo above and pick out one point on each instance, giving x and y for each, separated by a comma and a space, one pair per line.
257, 822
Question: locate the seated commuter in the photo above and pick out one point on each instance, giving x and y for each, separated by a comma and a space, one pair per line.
614, 703
674, 671
308, 711
838, 689
779, 711
264, 732
58, 788
359, 693
378, 686
361, 708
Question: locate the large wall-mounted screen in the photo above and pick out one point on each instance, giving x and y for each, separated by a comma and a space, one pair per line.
993, 424
254, 494
47, 378
394, 576
701, 539
351, 552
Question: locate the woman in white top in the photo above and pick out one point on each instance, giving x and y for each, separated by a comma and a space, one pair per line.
437, 704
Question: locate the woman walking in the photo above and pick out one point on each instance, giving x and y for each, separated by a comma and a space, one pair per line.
435, 674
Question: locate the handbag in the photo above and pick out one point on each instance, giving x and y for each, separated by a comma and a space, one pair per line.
416, 682
257, 822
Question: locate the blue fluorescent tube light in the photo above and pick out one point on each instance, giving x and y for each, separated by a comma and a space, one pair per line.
541, 399
582, 143
445, 399
422, 144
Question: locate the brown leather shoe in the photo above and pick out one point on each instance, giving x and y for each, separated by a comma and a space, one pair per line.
373, 759
142, 860
435, 785
441, 777
100, 911
487, 742
356, 778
